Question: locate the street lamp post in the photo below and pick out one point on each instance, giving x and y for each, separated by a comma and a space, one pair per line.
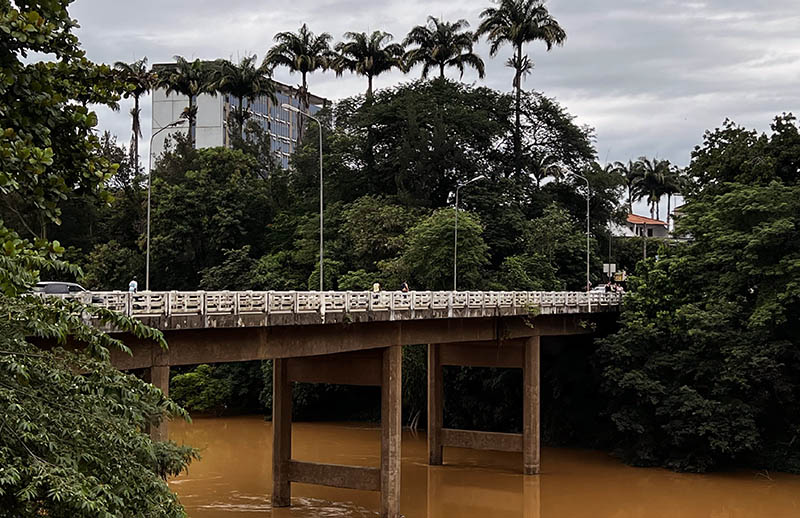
588, 196
149, 175
289, 107
455, 234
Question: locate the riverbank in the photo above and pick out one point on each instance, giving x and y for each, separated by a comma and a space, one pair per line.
233, 479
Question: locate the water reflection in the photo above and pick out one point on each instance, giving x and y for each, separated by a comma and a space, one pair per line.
234, 479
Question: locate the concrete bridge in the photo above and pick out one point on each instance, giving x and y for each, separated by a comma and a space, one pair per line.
356, 338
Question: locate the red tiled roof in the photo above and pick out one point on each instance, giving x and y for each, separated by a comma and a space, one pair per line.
641, 220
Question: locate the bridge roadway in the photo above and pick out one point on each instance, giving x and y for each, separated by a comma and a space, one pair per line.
356, 338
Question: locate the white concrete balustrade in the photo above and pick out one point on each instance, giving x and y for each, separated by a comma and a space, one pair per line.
180, 309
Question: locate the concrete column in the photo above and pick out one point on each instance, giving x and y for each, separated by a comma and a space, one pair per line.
281, 433
435, 405
391, 429
530, 400
158, 375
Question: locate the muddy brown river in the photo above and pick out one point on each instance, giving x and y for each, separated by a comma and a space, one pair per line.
234, 477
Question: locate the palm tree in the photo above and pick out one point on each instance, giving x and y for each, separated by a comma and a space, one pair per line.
651, 182
632, 172
302, 52
243, 81
189, 78
673, 184
442, 44
368, 55
518, 22
140, 80
545, 166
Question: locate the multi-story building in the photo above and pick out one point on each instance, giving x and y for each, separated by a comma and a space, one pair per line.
212, 118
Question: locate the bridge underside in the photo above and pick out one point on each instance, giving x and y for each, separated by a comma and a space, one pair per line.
370, 353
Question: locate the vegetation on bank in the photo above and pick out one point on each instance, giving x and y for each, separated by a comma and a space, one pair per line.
72, 427
705, 370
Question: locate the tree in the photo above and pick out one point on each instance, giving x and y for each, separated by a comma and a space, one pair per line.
139, 81
302, 52
72, 441
733, 154
243, 81
427, 262
632, 172
189, 78
368, 55
442, 44
518, 22
560, 239
373, 230
673, 184
702, 373
205, 201
552, 142
654, 173
528, 272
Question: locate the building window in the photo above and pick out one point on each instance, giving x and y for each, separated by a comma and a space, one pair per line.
649, 232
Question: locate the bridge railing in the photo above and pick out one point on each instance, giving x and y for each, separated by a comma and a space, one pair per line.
188, 303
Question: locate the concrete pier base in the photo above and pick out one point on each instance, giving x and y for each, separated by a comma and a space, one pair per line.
381, 367
158, 375
518, 353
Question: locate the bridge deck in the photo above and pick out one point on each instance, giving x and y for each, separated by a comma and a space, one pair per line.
172, 310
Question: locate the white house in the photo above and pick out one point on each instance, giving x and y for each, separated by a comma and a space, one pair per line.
641, 226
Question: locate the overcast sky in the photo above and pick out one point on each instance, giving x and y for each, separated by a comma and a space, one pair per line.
649, 75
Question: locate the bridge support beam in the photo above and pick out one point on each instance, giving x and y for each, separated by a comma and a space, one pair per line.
158, 375
531, 452
381, 367
281, 432
435, 408
518, 353
391, 430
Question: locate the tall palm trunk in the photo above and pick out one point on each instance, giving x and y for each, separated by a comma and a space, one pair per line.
241, 118
669, 199
306, 102
658, 208
517, 124
441, 71
369, 88
136, 126
192, 122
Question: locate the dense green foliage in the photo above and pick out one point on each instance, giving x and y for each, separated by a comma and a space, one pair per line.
72, 428
704, 371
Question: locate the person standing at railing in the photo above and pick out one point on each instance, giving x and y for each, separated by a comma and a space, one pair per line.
404, 287
376, 287
133, 286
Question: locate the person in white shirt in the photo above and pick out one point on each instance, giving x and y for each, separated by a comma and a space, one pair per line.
133, 286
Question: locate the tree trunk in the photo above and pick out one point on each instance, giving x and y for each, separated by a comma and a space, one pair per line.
304, 99
241, 119
136, 134
658, 209
630, 200
369, 88
517, 124
192, 122
441, 71
669, 200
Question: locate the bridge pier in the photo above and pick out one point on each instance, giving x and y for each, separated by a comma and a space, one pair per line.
377, 367
519, 353
158, 375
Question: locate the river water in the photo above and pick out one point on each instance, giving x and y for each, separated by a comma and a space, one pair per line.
234, 477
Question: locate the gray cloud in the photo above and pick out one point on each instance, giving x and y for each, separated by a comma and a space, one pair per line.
651, 76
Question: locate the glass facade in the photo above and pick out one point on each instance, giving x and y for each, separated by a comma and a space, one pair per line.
279, 123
